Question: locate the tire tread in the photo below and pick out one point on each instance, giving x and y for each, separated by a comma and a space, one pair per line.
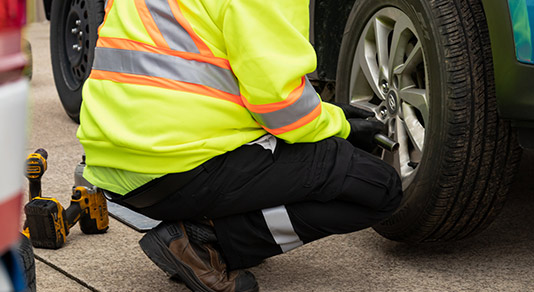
480, 153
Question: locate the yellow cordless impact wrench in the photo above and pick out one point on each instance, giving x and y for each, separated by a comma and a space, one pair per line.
47, 222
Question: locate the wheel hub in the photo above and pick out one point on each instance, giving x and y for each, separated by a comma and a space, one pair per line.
392, 102
74, 38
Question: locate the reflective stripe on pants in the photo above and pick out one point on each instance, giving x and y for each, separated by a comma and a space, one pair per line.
264, 203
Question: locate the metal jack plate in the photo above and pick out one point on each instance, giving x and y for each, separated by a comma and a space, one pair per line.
132, 219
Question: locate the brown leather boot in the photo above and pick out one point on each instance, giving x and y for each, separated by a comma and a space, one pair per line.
199, 265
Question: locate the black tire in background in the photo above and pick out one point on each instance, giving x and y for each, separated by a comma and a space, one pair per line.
25, 253
466, 156
73, 35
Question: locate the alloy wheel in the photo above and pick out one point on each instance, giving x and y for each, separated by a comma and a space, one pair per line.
389, 77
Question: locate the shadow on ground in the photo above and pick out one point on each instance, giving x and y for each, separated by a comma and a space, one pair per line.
507, 241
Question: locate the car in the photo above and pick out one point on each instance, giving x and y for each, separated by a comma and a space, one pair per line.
17, 270
451, 79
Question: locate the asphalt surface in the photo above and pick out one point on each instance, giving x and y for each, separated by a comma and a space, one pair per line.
499, 259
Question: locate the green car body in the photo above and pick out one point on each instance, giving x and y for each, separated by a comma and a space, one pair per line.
514, 73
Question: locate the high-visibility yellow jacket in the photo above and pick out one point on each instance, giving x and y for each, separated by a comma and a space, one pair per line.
177, 82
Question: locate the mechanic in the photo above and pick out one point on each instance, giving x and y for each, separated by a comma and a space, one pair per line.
199, 113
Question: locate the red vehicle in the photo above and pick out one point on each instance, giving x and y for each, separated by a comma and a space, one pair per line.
13, 108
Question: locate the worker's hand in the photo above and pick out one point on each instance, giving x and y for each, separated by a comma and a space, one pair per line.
352, 112
363, 131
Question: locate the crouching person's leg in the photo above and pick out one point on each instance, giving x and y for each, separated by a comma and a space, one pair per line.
247, 239
372, 184
188, 251
370, 193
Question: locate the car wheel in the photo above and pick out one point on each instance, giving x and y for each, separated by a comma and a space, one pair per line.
25, 253
425, 69
73, 35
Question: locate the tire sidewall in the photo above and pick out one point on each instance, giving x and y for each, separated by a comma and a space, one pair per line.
70, 96
417, 196
27, 261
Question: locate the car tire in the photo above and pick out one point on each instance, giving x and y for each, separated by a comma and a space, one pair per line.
73, 35
25, 253
436, 92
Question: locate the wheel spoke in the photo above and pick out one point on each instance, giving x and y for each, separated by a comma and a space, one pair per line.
364, 105
414, 58
370, 107
392, 158
400, 157
413, 127
403, 139
418, 99
381, 38
365, 62
400, 38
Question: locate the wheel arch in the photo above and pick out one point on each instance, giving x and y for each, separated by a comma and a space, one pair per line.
47, 8
327, 23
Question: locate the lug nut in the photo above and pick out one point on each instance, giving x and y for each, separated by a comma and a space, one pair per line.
385, 87
78, 22
76, 47
74, 30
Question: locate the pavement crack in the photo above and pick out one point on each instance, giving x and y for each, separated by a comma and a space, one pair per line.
67, 274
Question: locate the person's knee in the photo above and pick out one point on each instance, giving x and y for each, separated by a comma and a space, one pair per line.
394, 195
372, 183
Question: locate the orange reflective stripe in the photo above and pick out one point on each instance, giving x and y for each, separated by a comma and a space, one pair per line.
271, 107
202, 47
150, 25
109, 3
124, 44
292, 113
165, 83
303, 121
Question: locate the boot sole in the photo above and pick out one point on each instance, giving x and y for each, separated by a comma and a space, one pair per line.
162, 256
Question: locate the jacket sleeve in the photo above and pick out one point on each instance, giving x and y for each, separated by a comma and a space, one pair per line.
270, 54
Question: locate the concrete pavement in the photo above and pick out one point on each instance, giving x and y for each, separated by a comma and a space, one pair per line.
499, 259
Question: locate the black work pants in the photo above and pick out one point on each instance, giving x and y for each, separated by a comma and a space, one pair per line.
264, 203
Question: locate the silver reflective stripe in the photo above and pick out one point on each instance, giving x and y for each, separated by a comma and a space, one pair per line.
281, 228
306, 103
165, 66
174, 34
